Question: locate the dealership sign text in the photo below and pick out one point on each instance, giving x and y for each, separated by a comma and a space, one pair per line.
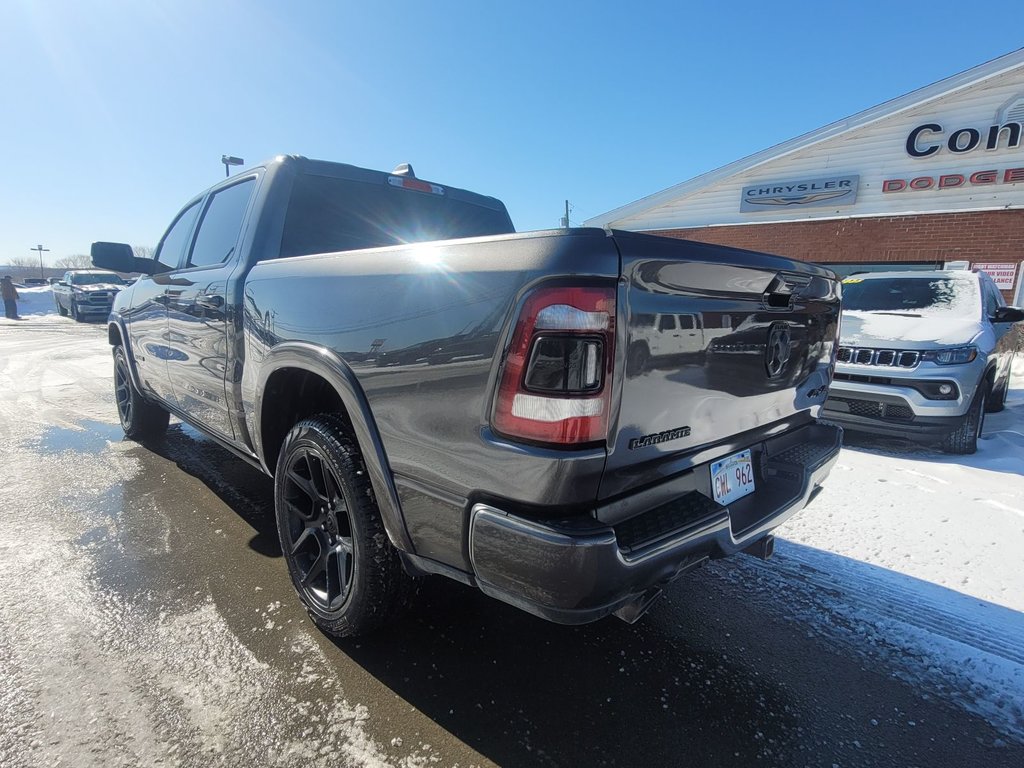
953, 180
1004, 273
930, 138
803, 193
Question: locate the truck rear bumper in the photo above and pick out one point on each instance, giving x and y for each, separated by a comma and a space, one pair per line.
579, 570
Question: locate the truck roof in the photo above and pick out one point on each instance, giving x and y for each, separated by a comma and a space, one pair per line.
355, 173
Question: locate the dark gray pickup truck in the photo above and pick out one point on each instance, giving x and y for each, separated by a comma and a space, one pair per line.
84, 293
436, 394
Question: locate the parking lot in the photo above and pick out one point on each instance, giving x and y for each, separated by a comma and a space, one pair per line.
148, 619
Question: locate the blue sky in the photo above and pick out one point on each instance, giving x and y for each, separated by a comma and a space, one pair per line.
114, 113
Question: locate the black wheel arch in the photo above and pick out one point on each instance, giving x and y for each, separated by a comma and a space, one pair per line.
315, 380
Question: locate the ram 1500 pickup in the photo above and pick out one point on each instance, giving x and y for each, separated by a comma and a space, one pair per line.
84, 293
434, 393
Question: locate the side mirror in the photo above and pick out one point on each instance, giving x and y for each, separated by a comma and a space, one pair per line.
119, 257
1008, 315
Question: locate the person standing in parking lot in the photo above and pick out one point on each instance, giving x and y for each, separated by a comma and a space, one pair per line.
10, 297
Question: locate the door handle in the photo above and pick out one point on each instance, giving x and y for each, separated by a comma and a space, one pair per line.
211, 301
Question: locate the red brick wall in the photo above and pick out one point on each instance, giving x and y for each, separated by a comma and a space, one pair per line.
982, 236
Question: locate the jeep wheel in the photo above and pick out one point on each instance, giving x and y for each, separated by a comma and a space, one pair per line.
341, 562
964, 439
140, 419
997, 399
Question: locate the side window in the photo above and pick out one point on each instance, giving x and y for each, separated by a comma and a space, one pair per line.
172, 246
667, 323
221, 225
686, 322
992, 298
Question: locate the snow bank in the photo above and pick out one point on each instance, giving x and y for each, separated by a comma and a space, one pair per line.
35, 301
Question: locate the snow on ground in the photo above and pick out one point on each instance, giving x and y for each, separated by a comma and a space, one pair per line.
916, 556
957, 521
34, 301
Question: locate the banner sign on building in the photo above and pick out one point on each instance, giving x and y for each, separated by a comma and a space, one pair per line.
802, 193
1004, 274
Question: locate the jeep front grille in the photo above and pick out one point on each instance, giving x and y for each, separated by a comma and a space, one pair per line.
892, 358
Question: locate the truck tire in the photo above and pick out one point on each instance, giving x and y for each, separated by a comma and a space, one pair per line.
964, 439
60, 308
342, 565
140, 419
74, 312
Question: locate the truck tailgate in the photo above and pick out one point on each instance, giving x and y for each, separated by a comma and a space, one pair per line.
722, 348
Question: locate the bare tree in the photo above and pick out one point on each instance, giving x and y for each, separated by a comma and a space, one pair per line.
143, 251
75, 261
23, 262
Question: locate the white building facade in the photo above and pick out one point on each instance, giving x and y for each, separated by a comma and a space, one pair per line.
930, 179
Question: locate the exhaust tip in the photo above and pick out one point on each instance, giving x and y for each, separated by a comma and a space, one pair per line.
637, 607
762, 549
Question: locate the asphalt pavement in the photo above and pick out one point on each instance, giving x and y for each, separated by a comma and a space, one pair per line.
147, 619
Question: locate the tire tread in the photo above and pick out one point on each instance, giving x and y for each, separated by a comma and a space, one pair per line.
382, 590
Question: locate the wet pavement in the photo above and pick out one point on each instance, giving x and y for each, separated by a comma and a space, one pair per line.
147, 619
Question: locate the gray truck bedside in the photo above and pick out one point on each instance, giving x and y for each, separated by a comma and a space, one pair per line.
566, 419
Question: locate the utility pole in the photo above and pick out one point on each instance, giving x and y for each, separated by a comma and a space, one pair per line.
40, 249
565, 221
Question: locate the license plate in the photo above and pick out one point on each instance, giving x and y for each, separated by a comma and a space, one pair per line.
732, 478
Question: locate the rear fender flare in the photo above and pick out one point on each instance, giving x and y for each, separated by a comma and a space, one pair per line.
330, 367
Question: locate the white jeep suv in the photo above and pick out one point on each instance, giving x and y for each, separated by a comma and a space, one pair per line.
923, 355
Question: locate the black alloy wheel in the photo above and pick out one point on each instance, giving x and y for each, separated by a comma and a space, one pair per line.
140, 418
123, 390
319, 529
340, 559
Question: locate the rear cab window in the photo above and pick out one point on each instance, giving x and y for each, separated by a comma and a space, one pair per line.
327, 214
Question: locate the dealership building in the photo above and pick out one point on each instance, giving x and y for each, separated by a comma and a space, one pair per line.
929, 180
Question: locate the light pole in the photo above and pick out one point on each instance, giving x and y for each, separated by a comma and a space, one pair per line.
228, 161
40, 249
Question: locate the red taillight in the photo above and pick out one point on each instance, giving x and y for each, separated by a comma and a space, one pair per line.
556, 382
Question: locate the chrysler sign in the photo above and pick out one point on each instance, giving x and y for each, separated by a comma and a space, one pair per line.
803, 193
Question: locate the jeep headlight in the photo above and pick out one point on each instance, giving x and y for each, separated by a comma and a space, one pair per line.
954, 356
